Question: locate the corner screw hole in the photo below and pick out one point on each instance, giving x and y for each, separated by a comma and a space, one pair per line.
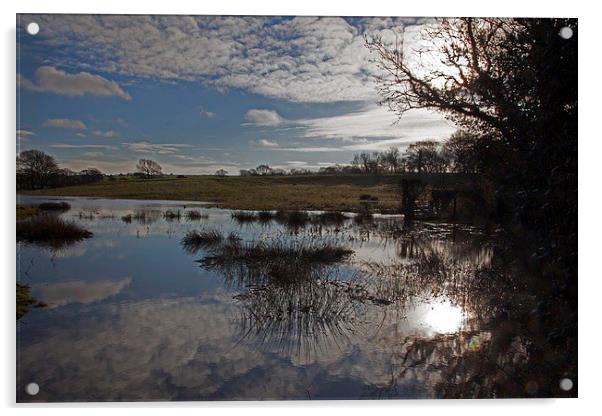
32, 389
566, 384
566, 32
33, 28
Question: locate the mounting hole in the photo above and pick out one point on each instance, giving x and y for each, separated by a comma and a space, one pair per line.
33, 28
32, 389
566, 384
566, 32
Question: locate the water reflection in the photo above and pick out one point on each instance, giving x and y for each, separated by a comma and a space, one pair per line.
333, 308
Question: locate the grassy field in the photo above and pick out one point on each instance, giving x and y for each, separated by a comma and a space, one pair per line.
347, 192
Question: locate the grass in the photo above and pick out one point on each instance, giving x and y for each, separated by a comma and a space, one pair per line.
292, 219
315, 192
25, 301
195, 240
244, 216
331, 218
54, 206
24, 212
281, 260
50, 230
194, 215
172, 215
265, 216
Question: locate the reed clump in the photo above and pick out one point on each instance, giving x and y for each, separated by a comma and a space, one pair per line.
244, 216
201, 239
50, 229
280, 260
194, 215
54, 206
172, 215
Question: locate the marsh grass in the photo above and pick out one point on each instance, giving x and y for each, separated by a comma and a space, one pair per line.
25, 302
172, 215
24, 212
330, 218
54, 206
50, 230
363, 217
86, 215
194, 215
291, 219
196, 240
146, 216
243, 217
283, 260
265, 216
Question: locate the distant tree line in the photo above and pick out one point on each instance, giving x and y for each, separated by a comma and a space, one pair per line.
461, 153
37, 170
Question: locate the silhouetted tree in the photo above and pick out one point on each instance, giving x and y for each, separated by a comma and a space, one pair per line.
149, 168
221, 172
35, 168
465, 152
263, 170
424, 157
390, 160
513, 81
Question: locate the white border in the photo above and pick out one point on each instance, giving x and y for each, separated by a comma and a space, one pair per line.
590, 153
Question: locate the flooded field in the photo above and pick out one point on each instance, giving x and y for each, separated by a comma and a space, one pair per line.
171, 300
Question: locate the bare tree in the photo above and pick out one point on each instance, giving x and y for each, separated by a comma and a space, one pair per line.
391, 160
149, 167
36, 167
221, 172
263, 170
425, 156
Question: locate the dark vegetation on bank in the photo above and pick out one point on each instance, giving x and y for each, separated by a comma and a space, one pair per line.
50, 230
54, 206
25, 302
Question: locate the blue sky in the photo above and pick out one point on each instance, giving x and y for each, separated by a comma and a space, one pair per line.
202, 93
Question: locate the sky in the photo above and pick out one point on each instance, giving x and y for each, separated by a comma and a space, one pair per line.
202, 93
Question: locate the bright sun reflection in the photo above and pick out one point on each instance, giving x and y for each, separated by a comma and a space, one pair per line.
444, 318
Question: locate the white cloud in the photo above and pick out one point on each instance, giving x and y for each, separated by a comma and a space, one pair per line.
304, 59
259, 117
264, 143
25, 133
107, 133
207, 114
80, 146
374, 122
157, 148
92, 154
50, 79
65, 123
311, 149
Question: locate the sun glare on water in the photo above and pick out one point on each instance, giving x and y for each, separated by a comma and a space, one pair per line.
444, 318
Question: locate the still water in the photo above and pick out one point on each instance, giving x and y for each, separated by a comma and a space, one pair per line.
133, 315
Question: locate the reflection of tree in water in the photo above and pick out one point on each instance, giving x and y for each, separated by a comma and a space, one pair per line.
508, 348
299, 300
